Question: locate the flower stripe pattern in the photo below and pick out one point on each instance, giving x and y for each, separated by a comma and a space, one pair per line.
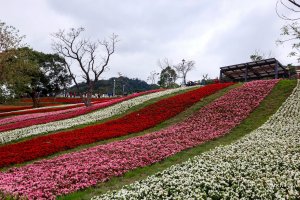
42, 118
47, 179
27, 117
262, 165
131, 123
42, 110
116, 109
62, 100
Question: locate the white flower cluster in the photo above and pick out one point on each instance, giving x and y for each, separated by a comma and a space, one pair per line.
100, 114
263, 165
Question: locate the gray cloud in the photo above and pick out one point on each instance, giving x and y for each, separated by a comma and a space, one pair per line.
213, 33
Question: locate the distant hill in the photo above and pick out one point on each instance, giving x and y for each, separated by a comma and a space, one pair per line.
106, 86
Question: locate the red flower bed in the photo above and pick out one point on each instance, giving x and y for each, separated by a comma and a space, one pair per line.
131, 123
72, 113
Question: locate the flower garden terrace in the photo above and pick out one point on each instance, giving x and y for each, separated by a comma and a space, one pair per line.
195, 122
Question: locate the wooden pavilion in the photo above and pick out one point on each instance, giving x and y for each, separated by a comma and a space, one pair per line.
255, 70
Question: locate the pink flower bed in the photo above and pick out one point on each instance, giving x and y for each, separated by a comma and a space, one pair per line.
40, 109
24, 117
64, 174
42, 118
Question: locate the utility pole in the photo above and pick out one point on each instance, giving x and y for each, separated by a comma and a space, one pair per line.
183, 80
123, 89
114, 89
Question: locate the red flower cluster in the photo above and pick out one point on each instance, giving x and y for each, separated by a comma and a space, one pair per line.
131, 123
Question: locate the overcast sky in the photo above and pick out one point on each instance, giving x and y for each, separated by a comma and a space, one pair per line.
212, 33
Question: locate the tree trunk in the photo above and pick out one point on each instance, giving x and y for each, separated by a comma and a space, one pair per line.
34, 98
184, 79
88, 98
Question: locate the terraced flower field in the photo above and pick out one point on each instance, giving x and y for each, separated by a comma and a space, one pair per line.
263, 165
8, 136
114, 138
12, 123
133, 122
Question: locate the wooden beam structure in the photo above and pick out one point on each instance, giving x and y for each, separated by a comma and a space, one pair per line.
262, 69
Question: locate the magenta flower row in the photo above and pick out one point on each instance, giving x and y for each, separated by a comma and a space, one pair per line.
20, 118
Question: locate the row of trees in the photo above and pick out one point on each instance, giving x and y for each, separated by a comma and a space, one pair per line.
170, 73
26, 71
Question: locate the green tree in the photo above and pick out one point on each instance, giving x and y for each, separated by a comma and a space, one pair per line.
34, 73
291, 31
258, 55
54, 75
168, 77
17, 73
10, 39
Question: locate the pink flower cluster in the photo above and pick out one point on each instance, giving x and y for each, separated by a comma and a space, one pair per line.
47, 179
20, 118
42, 118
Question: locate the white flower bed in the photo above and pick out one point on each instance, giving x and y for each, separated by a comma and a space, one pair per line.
101, 114
263, 165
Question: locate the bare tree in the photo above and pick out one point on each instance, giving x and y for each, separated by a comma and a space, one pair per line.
152, 77
204, 79
164, 63
183, 68
87, 55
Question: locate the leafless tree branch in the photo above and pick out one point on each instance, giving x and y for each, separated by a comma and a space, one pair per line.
288, 7
183, 68
86, 53
164, 63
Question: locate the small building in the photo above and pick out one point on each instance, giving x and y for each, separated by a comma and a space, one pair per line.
255, 70
298, 72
